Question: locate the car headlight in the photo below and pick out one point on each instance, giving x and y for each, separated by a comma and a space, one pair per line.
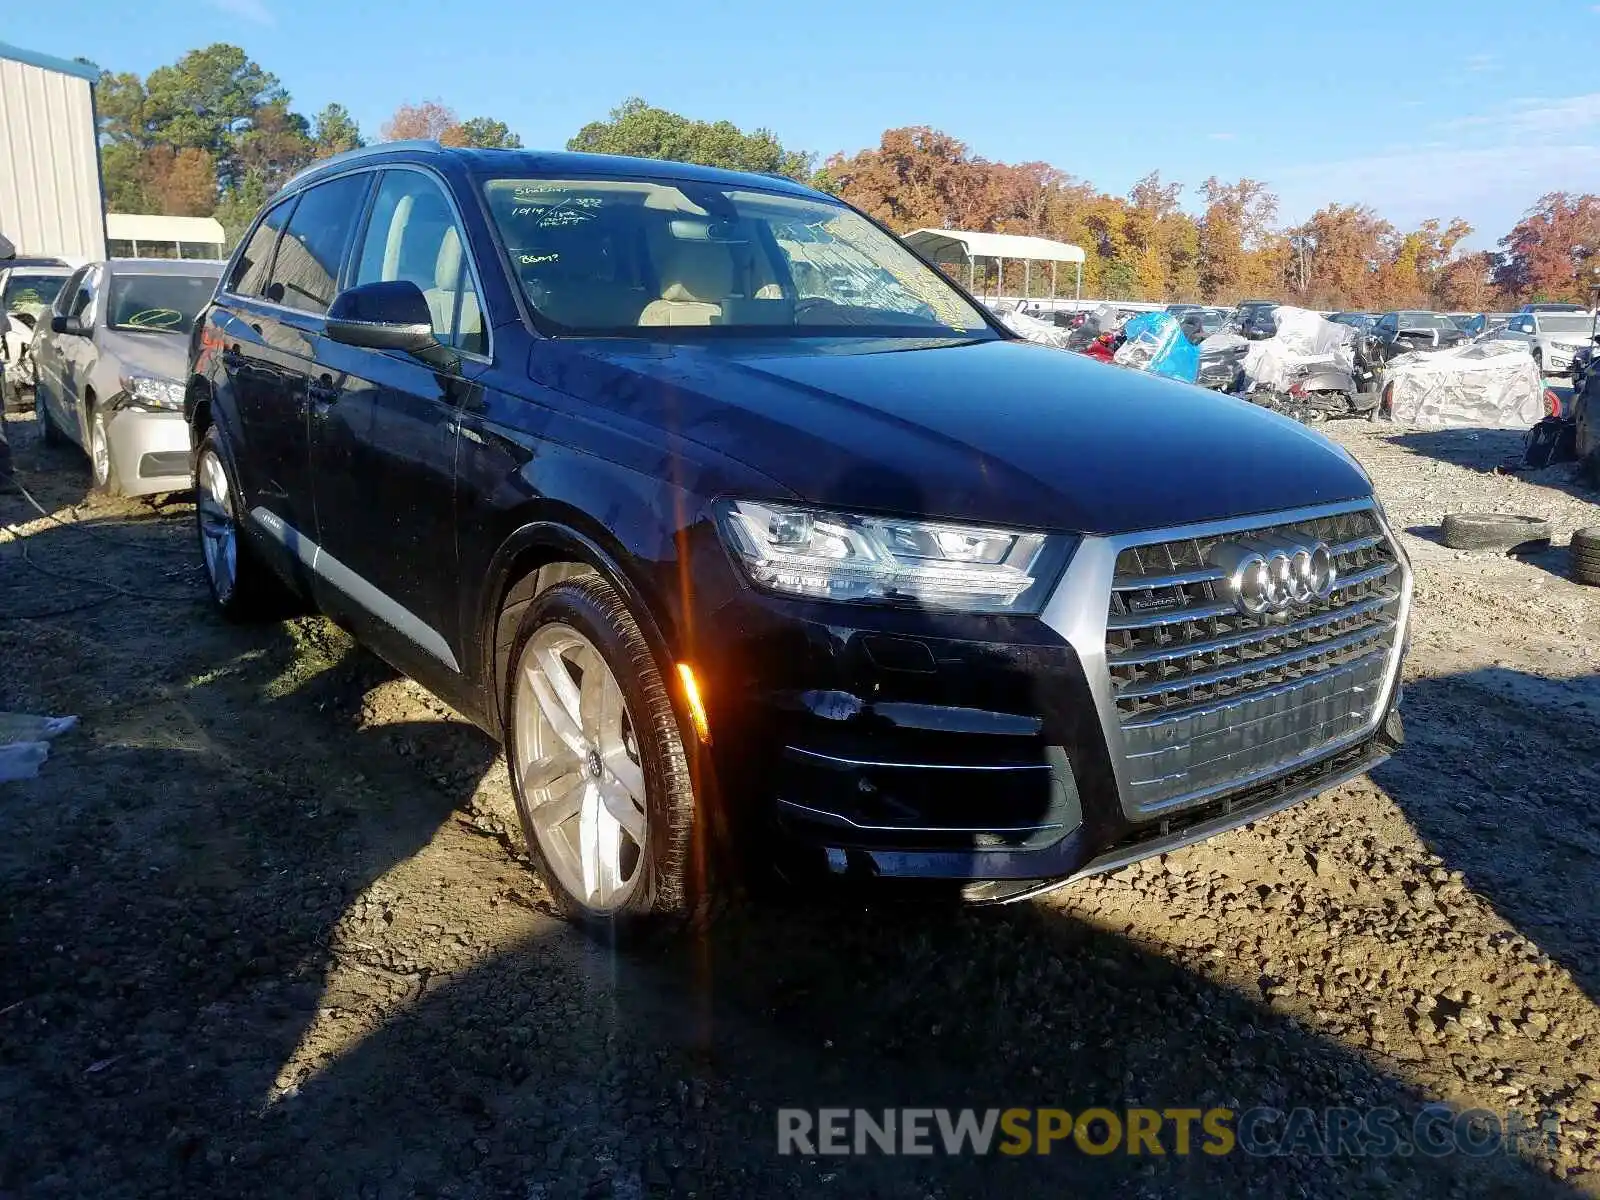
146, 391
808, 552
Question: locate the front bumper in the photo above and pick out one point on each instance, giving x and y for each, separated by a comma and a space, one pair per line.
985, 753
150, 451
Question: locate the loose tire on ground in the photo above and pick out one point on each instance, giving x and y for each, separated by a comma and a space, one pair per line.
1494, 531
669, 881
1585, 552
242, 584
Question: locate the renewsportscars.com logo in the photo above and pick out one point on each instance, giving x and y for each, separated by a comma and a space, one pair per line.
1435, 1131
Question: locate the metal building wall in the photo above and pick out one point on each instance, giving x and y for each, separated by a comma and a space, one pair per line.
50, 198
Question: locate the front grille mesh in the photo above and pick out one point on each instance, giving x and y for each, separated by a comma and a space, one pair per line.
1207, 696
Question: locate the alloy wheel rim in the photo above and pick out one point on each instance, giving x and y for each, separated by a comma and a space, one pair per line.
99, 451
578, 764
218, 531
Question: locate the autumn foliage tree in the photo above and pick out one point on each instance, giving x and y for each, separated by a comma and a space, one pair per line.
1547, 255
216, 133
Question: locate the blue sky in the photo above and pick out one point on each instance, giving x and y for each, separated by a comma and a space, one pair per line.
1457, 108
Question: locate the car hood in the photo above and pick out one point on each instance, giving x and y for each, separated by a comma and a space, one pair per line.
163, 355
998, 431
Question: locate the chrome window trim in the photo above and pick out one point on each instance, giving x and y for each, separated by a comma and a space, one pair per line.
1077, 610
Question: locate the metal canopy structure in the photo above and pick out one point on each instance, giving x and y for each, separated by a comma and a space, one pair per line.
953, 247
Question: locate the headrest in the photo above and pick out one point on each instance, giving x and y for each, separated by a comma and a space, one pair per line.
447, 267
697, 272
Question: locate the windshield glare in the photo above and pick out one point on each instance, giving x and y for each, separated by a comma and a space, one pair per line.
158, 303
652, 259
1563, 322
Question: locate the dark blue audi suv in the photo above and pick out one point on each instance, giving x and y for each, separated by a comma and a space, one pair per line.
760, 546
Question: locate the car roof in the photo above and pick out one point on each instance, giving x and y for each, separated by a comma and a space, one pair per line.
547, 164
36, 268
165, 266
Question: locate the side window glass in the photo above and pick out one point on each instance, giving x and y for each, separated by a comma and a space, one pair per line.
68, 295
249, 276
305, 271
83, 304
412, 235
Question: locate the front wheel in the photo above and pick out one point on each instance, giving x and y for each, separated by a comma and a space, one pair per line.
105, 471
1538, 363
597, 762
242, 585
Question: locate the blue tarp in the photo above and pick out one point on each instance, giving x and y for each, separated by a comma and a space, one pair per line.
1156, 343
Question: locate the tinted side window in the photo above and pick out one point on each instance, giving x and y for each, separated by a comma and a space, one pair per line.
249, 276
69, 292
83, 304
413, 235
305, 273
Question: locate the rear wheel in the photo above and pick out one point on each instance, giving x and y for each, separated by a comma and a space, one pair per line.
243, 586
48, 433
597, 762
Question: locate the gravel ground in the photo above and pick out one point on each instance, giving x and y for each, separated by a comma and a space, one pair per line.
265, 932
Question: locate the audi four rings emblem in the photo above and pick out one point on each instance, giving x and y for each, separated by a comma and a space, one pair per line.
1275, 576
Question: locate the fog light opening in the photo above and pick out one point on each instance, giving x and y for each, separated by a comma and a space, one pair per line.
691, 697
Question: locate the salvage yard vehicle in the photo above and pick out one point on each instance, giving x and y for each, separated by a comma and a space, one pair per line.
1361, 322
1253, 319
1396, 333
26, 292
1553, 337
749, 574
111, 361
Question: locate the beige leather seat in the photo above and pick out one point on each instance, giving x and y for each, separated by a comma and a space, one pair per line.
696, 277
441, 297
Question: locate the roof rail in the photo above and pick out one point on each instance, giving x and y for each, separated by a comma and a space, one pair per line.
361, 152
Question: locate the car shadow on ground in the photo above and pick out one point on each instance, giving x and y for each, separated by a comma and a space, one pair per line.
1523, 800
177, 886
1491, 450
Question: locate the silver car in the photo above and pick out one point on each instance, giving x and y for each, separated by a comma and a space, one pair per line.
1552, 337
111, 364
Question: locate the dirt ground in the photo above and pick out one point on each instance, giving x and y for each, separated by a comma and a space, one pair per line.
265, 930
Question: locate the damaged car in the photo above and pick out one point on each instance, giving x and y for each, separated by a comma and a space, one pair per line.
1404, 332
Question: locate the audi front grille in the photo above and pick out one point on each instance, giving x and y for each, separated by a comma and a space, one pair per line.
1210, 698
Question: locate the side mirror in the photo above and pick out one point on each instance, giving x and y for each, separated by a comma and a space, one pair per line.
391, 315
67, 325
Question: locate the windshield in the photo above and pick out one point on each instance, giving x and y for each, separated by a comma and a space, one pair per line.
159, 303
30, 291
636, 258
1563, 322
1428, 320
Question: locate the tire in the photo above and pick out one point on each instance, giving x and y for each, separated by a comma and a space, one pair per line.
1538, 364
1585, 552
584, 622
101, 466
242, 584
1495, 531
48, 433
